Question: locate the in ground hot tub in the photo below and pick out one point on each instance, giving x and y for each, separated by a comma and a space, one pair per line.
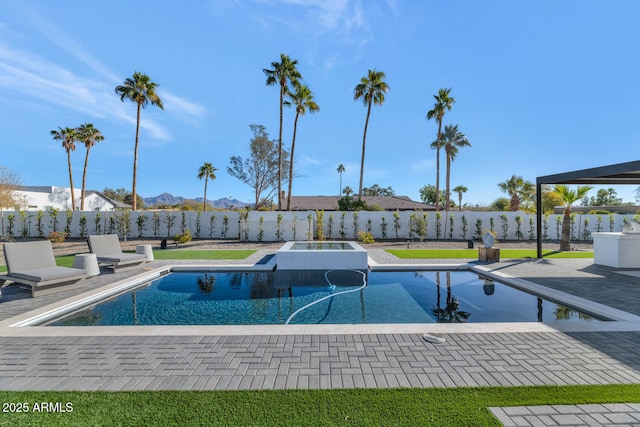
322, 256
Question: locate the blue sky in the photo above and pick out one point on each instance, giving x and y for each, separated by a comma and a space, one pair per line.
541, 87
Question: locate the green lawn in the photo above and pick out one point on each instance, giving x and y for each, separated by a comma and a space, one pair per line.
67, 260
473, 253
352, 407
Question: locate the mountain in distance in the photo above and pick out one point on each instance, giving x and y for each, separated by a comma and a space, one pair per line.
170, 200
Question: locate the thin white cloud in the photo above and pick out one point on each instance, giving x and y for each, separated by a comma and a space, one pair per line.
26, 73
421, 166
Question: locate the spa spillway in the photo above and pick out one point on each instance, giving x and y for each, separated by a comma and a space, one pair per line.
322, 256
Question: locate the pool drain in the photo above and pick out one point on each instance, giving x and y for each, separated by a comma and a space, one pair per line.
433, 339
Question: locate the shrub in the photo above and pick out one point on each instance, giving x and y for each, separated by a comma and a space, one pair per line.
365, 237
184, 237
57, 236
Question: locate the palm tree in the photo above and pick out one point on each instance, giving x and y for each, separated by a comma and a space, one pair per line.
569, 197
348, 191
371, 89
283, 72
141, 90
518, 189
443, 102
453, 140
68, 136
341, 169
90, 135
302, 99
460, 189
206, 171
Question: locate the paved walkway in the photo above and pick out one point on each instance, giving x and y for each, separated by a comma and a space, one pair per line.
395, 356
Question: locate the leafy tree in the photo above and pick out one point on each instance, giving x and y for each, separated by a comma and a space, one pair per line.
569, 197
453, 140
340, 170
348, 203
376, 190
283, 72
500, 204
206, 171
68, 136
141, 90
460, 189
428, 195
9, 182
519, 190
90, 135
260, 169
443, 102
371, 90
122, 195
550, 199
605, 198
303, 100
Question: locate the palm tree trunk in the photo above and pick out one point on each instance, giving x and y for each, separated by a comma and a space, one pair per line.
364, 143
84, 179
438, 166
73, 197
565, 241
293, 147
447, 185
280, 151
204, 204
459, 201
135, 161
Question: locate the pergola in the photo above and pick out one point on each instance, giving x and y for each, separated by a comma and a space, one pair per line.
621, 173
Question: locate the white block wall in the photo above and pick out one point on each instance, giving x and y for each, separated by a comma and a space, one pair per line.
279, 226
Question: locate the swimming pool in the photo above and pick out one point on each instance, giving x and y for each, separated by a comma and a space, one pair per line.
252, 298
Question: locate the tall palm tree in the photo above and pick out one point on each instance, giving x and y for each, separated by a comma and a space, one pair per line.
460, 189
518, 189
68, 136
371, 89
90, 135
206, 171
302, 98
453, 141
443, 102
569, 197
141, 90
340, 170
283, 72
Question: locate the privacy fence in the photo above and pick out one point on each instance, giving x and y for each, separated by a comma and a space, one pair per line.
306, 225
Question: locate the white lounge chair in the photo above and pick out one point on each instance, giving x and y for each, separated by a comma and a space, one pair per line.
108, 252
33, 264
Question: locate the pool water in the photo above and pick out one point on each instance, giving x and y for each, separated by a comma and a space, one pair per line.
215, 298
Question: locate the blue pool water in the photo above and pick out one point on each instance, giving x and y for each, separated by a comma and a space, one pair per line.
271, 298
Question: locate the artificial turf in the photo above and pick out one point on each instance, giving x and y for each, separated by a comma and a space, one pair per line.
344, 407
473, 253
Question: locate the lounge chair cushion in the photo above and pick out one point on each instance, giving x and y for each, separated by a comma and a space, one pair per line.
49, 273
121, 258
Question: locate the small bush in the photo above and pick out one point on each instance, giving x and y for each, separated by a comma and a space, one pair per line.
184, 237
57, 236
365, 237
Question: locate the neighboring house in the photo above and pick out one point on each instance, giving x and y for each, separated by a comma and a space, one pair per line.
330, 203
34, 198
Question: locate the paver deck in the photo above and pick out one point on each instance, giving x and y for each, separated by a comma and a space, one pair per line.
399, 357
